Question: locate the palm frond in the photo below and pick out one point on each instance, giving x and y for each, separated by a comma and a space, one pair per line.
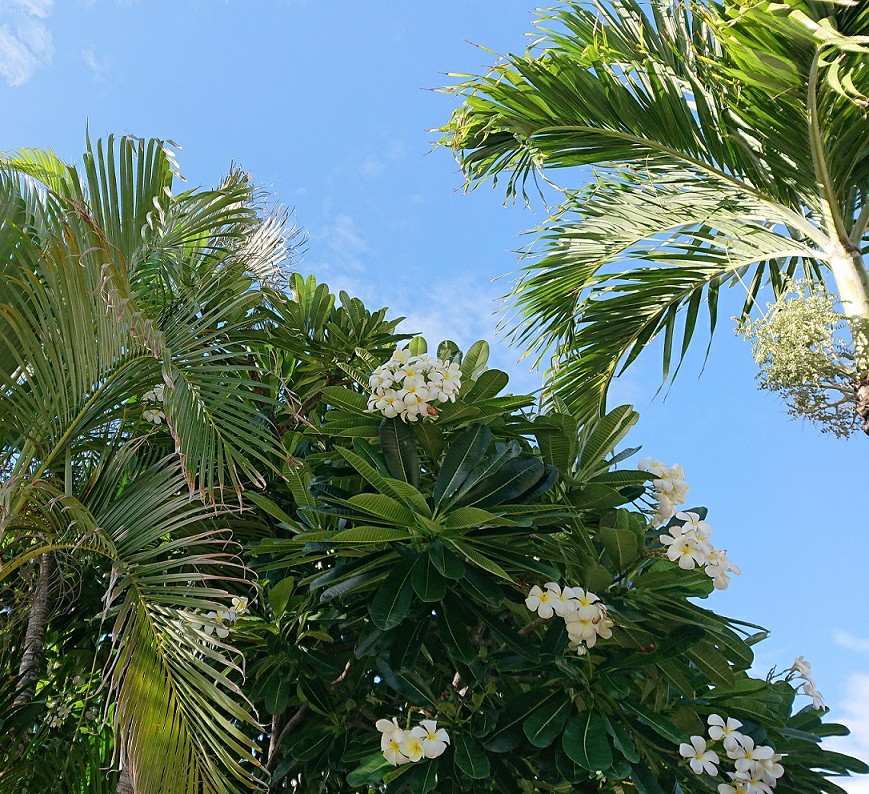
643, 249
178, 703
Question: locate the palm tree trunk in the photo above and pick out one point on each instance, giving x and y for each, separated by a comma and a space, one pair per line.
125, 783
852, 282
34, 637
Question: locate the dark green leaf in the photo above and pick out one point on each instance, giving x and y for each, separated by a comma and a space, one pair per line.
398, 442
585, 740
464, 453
547, 721
445, 561
428, 582
469, 757
392, 600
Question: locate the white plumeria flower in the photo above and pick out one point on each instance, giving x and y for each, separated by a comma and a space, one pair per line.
802, 666
746, 753
585, 605
736, 788
406, 386
389, 404
726, 730
699, 758
719, 566
391, 746
434, 740
561, 600
817, 698
412, 748
582, 629
684, 551
400, 356
541, 602
579, 647
702, 530
388, 728
752, 782
216, 625
152, 415
770, 769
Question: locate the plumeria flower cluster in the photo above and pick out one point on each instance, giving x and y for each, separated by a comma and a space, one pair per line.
583, 613
803, 669
219, 622
671, 489
59, 715
411, 386
402, 746
757, 768
154, 414
688, 545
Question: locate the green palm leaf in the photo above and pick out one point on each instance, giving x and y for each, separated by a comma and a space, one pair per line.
728, 141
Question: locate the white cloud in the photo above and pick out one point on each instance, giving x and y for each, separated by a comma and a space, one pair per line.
25, 41
854, 712
98, 66
371, 166
850, 641
462, 308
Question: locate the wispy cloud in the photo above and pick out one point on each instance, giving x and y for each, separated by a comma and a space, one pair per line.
25, 40
371, 166
98, 66
852, 642
854, 712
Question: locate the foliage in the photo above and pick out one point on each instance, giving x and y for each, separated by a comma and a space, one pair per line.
719, 144
395, 573
111, 285
802, 356
177, 431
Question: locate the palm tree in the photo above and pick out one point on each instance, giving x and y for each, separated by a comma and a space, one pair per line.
727, 144
133, 413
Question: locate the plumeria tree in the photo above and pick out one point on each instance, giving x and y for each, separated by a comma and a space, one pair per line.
460, 594
697, 145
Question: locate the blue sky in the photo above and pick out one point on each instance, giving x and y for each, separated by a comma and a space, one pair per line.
328, 105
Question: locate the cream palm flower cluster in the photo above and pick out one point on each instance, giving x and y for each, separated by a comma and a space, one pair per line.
670, 488
756, 767
688, 545
412, 386
583, 613
154, 414
803, 669
401, 746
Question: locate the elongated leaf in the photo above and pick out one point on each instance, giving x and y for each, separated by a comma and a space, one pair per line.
513, 479
392, 600
487, 385
547, 721
586, 742
454, 632
470, 758
384, 507
428, 582
398, 442
464, 453
369, 534
475, 360
445, 561
621, 544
